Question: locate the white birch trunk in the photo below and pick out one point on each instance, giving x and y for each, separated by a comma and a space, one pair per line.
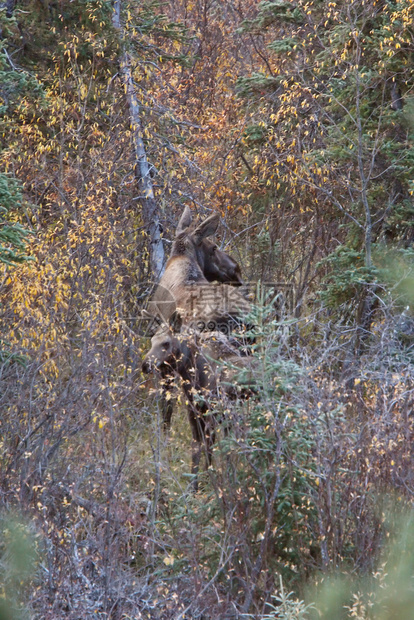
142, 168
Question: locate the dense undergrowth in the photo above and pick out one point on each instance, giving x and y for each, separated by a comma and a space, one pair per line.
297, 126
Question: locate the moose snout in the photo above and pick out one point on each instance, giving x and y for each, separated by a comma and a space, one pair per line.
148, 365
152, 363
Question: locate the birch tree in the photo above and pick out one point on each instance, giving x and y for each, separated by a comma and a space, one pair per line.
150, 213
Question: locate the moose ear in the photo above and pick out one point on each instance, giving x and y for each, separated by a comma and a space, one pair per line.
176, 322
185, 221
207, 228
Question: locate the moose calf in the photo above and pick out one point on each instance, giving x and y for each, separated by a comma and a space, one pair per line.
196, 358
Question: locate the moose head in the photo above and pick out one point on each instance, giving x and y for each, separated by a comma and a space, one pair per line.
213, 262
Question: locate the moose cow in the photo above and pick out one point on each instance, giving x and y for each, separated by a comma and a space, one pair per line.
197, 359
194, 263
195, 260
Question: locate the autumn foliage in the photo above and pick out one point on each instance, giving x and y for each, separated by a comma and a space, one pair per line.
294, 121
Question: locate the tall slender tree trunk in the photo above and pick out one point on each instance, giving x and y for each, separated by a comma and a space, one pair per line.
9, 8
150, 213
368, 301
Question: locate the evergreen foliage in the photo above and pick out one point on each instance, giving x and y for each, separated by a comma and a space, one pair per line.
12, 235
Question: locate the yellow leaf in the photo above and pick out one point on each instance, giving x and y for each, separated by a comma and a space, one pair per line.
168, 560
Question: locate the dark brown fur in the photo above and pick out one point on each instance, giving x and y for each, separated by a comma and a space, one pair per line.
196, 359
